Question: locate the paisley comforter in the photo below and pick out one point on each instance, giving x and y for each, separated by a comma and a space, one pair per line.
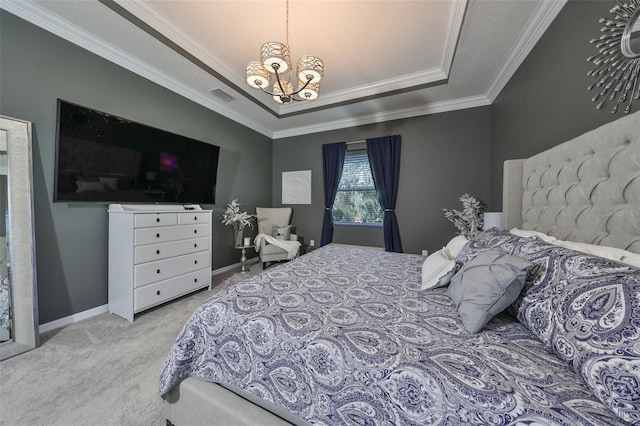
346, 336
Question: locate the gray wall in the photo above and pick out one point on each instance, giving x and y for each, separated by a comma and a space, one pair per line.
547, 102
71, 239
443, 156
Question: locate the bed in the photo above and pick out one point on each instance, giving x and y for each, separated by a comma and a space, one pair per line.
349, 336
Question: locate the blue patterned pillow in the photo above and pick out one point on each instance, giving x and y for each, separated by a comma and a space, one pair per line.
491, 239
585, 309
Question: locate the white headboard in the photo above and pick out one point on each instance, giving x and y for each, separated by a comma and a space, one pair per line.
585, 190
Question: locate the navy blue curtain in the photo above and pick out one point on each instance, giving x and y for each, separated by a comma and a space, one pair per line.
384, 158
332, 162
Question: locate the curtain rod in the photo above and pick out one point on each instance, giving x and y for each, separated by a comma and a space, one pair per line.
352, 142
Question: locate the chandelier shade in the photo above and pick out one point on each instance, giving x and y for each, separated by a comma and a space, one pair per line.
311, 92
275, 60
310, 68
257, 75
282, 92
275, 57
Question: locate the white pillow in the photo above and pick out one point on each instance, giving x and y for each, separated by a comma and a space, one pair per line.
455, 245
528, 234
437, 269
611, 253
632, 259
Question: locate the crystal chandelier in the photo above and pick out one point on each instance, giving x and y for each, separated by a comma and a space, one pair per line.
276, 60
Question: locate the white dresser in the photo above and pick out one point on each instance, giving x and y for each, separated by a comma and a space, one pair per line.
156, 253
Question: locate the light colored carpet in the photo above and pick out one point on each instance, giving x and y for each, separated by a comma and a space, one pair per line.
100, 371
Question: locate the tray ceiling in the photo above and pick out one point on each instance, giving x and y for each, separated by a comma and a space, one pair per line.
383, 59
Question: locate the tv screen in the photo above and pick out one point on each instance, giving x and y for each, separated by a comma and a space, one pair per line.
104, 158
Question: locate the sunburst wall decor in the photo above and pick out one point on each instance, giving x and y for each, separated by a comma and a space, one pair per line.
617, 70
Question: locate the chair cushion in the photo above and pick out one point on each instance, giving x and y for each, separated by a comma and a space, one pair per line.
271, 249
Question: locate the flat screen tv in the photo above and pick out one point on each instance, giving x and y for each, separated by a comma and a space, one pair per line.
104, 158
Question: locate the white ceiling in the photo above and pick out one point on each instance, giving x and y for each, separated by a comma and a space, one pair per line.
383, 59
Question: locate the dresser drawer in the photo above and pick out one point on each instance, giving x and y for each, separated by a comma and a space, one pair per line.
170, 233
154, 294
150, 272
151, 252
193, 218
155, 219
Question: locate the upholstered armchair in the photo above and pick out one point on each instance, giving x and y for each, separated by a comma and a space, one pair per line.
270, 220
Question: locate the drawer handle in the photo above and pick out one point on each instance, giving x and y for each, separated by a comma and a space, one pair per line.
195, 261
195, 231
157, 251
157, 271
195, 218
157, 235
195, 244
158, 219
158, 292
195, 280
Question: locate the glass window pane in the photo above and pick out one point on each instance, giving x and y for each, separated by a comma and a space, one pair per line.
356, 201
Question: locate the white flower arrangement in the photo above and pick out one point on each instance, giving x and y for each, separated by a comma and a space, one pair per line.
233, 216
470, 220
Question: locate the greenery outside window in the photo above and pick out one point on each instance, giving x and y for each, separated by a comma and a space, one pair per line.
356, 202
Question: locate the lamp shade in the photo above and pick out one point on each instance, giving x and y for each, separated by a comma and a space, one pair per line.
310, 68
275, 57
492, 220
257, 76
309, 93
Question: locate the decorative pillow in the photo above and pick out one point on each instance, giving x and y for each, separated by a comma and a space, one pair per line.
491, 238
281, 233
486, 285
437, 269
85, 186
455, 245
110, 182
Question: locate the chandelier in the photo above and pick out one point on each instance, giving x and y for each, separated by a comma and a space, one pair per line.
275, 60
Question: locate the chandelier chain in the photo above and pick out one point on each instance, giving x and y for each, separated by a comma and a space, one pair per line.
287, 25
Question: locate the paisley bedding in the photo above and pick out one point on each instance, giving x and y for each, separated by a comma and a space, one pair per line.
4, 303
346, 336
585, 309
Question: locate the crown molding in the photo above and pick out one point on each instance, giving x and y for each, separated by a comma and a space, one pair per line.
378, 88
544, 15
433, 108
456, 18
41, 17
537, 25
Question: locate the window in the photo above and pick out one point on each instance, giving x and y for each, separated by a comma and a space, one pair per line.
356, 201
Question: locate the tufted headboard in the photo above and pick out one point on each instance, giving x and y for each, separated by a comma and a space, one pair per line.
585, 190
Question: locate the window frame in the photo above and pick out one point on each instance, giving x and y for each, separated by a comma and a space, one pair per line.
363, 153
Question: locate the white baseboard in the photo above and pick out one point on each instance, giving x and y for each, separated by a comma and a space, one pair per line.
63, 322
234, 266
